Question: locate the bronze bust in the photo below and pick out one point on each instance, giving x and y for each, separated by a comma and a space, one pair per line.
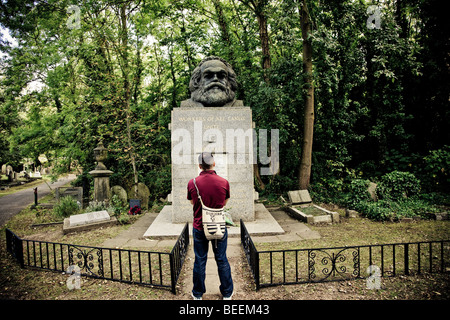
213, 84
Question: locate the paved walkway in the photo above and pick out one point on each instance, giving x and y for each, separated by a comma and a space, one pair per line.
133, 238
12, 204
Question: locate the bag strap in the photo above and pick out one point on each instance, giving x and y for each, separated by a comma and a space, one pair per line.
198, 193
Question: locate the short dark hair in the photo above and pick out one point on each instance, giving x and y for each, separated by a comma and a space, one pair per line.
206, 160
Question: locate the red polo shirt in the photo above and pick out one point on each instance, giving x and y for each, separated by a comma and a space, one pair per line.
214, 191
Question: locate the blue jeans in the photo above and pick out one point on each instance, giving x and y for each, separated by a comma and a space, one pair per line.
201, 245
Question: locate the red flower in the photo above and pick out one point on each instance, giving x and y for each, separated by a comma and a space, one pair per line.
135, 210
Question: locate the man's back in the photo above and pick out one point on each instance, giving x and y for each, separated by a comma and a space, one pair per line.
213, 189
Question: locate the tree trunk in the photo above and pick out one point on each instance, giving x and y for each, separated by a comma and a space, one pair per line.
127, 89
305, 165
264, 36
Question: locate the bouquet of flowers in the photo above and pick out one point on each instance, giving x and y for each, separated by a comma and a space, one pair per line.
134, 210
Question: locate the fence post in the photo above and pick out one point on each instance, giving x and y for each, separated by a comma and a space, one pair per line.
14, 245
172, 273
406, 259
257, 270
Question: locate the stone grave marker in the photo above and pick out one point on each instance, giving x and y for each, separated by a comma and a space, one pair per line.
75, 192
227, 132
299, 196
372, 191
89, 218
143, 193
120, 193
87, 221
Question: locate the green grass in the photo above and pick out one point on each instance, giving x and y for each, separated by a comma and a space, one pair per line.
32, 284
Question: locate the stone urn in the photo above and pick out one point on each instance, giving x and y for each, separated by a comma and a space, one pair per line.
101, 175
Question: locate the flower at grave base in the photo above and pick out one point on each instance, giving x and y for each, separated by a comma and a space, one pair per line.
135, 210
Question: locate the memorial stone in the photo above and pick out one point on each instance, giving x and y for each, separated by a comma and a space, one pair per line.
299, 196
143, 193
88, 218
101, 175
75, 192
222, 126
120, 193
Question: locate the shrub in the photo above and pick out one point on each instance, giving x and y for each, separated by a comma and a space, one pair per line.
379, 210
67, 206
398, 185
437, 164
357, 193
280, 184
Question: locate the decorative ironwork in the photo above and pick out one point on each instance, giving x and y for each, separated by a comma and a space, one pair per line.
86, 259
91, 260
295, 266
333, 263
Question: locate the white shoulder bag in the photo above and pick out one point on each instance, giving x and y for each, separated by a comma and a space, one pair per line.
213, 220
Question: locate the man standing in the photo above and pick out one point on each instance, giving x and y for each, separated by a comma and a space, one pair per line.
215, 192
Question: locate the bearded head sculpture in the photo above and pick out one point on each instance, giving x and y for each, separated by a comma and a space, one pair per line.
213, 84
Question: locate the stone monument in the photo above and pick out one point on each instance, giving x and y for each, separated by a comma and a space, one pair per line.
101, 175
143, 193
213, 120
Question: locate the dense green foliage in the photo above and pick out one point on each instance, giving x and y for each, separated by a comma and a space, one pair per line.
65, 207
381, 95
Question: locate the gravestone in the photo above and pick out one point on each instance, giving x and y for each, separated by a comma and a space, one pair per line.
75, 192
4, 169
299, 196
143, 193
88, 218
120, 193
228, 134
10, 173
372, 191
88, 221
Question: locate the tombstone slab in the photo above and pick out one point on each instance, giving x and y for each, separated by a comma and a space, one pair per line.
88, 221
89, 218
299, 196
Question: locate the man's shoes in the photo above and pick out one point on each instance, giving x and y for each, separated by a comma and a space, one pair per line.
195, 298
228, 298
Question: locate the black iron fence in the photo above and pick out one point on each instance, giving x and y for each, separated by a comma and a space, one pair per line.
158, 269
279, 267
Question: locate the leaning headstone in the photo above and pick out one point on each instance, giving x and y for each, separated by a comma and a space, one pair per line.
4, 169
143, 193
120, 193
372, 191
299, 196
